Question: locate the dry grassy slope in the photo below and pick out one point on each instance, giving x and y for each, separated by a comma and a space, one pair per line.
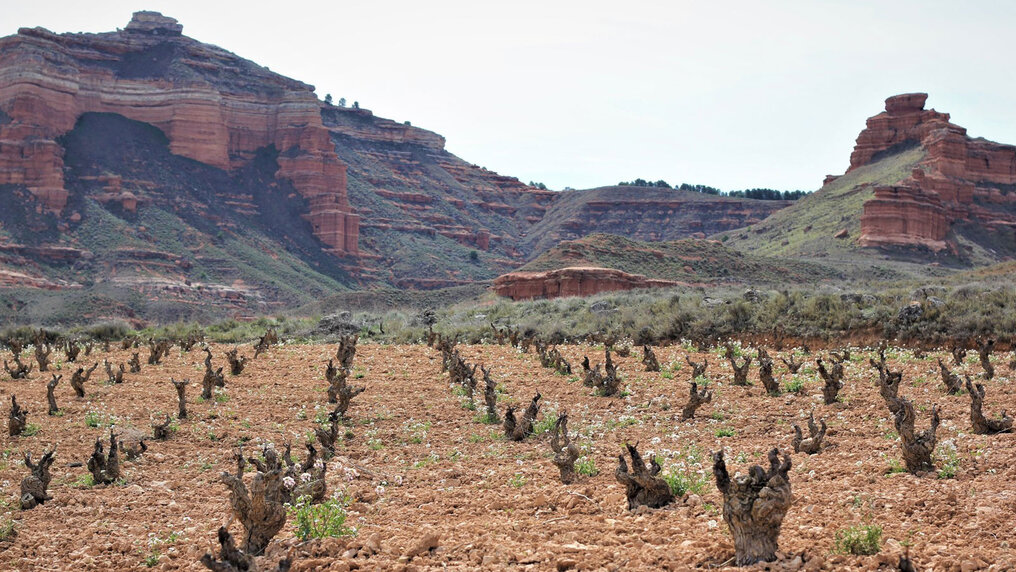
807, 227
686, 260
643, 213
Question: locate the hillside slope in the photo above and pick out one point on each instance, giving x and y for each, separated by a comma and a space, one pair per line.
687, 260
810, 226
186, 239
644, 213
919, 190
147, 163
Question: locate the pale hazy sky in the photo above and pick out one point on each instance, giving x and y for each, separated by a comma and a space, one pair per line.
587, 93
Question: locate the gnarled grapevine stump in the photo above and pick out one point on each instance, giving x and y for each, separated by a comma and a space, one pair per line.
832, 379
952, 382
754, 507
642, 485
565, 452
20, 370
959, 353
18, 418
114, 375
695, 400
649, 359
338, 390
181, 396
610, 382
161, 431
157, 351
79, 378
34, 486
917, 447
765, 373
697, 369
236, 364
519, 429
984, 348
981, 424
212, 379
105, 467
328, 436
232, 559
813, 444
261, 508
792, 364
593, 377
888, 380
72, 350
42, 351
740, 371
53, 409
135, 363
489, 395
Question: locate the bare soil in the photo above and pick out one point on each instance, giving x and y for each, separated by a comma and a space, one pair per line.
432, 480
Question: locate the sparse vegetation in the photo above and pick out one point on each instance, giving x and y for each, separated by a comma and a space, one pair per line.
860, 540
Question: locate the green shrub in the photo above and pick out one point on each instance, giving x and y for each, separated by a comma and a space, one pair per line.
586, 466
795, 385
681, 482
8, 530
860, 540
109, 331
546, 424
324, 520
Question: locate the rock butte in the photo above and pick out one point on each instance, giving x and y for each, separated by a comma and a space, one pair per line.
572, 281
213, 106
961, 179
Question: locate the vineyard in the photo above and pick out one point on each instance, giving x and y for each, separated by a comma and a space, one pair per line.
596, 456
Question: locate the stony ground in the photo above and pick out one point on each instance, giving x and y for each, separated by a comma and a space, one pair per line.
429, 471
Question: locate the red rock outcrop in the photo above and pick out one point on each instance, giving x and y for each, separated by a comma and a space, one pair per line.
573, 281
904, 216
213, 106
960, 179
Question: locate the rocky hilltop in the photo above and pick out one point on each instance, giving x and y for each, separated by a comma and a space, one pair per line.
918, 190
961, 180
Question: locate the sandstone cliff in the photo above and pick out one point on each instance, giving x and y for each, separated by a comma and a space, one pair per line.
152, 174
918, 189
572, 281
214, 107
960, 179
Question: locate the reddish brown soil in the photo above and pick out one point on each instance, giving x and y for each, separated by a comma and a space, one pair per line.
498, 504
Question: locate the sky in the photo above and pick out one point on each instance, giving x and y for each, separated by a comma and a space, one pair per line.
732, 94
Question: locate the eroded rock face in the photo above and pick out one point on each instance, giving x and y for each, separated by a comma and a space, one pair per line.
904, 216
961, 179
574, 281
213, 106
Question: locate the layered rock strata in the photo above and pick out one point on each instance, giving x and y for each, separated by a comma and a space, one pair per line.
213, 106
573, 281
961, 179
